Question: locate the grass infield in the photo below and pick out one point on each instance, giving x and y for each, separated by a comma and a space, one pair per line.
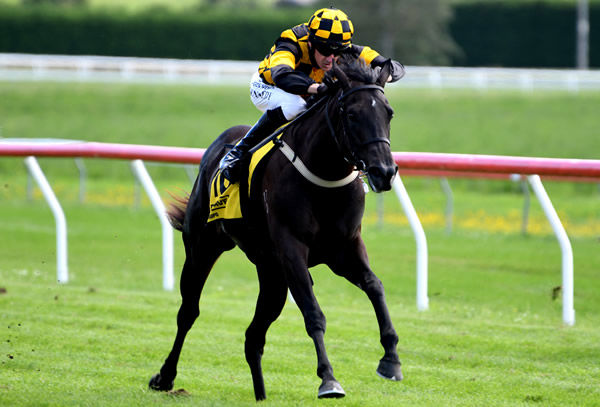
493, 335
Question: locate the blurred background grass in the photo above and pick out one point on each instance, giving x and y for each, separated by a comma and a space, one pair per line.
540, 124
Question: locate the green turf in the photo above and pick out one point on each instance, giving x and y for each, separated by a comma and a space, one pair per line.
493, 334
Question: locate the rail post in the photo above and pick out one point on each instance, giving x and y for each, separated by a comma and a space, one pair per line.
62, 271
167, 231
449, 211
565, 247
421, 240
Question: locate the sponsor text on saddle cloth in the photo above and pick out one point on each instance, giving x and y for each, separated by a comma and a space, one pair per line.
225, 197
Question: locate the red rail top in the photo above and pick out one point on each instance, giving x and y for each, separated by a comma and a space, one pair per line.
495, 164
427, 163
65, 148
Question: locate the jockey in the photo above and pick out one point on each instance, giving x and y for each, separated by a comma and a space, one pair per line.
293, 70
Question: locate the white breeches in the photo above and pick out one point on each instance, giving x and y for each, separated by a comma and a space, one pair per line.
268, 97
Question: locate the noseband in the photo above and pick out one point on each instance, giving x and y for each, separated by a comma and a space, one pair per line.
350, 155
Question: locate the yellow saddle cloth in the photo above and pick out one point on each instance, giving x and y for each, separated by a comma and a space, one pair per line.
225, 202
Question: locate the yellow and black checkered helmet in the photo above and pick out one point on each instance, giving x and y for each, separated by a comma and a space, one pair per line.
330, 27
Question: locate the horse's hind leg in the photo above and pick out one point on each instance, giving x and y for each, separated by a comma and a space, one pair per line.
271, 299
201, 254
353, 264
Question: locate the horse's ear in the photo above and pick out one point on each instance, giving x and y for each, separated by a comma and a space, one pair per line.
341, 76
384, 73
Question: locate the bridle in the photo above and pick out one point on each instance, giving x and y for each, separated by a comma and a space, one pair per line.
349, 154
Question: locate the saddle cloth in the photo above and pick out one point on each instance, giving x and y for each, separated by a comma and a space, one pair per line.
225, 197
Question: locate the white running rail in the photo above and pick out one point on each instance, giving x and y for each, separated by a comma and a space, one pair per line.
424, 163
32, 67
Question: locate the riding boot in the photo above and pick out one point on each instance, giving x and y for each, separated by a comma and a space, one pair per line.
231, 165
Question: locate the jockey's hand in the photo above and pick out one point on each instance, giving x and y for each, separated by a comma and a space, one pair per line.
313, 89
332, 84
318, 89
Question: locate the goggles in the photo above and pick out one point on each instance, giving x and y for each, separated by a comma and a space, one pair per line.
328, 49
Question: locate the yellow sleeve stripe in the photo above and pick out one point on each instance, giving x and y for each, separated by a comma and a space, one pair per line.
282, 58
369, 54
289, 34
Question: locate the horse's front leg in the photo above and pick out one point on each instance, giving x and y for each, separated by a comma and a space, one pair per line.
271, 299
352, 263
293, 256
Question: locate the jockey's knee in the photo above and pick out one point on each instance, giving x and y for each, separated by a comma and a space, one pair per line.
291, 110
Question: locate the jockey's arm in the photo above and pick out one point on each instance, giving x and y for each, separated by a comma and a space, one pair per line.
373, 58
291, 80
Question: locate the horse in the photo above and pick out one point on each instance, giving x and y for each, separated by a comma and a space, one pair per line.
297, 218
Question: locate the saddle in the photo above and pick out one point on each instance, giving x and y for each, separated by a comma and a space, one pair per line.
226, 199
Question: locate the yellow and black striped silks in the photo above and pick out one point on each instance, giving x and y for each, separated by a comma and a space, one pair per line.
291, 51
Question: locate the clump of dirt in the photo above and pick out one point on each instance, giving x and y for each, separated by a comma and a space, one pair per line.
556, 292
2, 290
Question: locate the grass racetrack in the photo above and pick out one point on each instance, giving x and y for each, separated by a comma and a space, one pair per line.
493, 335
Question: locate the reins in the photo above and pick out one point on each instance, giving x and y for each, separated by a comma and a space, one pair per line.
348, 154
282, 128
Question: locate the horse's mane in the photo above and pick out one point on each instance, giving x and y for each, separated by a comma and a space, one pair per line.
356, 69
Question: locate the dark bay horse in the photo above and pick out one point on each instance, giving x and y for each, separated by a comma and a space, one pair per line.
293, 223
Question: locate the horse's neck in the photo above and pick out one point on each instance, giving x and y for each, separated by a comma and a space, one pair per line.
315, 145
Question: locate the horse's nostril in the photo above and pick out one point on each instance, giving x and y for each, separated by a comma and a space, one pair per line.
375, 171
383, 172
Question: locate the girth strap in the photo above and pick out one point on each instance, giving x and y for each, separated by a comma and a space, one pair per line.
309, 175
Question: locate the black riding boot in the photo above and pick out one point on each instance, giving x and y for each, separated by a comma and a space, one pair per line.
231, 165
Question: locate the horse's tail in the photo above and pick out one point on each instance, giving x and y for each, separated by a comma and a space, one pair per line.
177, 209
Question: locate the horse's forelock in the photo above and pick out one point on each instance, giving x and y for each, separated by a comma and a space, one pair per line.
356, 69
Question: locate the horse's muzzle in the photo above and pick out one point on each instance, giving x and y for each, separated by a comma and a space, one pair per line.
381, 177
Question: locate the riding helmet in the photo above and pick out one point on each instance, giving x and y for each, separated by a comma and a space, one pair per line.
331, 28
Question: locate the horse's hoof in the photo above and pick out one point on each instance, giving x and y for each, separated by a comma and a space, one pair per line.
389, 370
331, 389
159, 384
